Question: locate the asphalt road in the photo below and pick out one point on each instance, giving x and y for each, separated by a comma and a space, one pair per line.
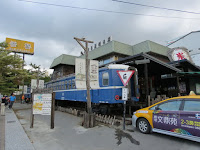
69, 135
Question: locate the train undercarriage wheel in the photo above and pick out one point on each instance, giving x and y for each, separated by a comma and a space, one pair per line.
105, 109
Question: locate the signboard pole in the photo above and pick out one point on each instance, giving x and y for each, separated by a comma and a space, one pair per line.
124, 116
52, 110
125, 76
32, 115
23, 77
124, 98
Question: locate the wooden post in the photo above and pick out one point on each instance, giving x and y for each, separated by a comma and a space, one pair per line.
2, 109
149, 100
178, 85
88, 118
146, 80
129, 109
52, 110
32, 115
158, 97
164, 97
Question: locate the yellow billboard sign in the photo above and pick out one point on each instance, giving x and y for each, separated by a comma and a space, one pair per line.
20, 46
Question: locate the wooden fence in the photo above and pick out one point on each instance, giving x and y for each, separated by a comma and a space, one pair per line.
159, 98
111, 120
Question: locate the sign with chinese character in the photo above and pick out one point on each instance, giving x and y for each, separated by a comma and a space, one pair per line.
42, 104
125, 76
179, 53
21, 89
177, 121
125, 94
33, 83
94, 74
20, 46
41, 84
80, 74
25, 89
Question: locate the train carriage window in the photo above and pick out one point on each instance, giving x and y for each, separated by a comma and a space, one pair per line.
105, 78
69, 84
73, 84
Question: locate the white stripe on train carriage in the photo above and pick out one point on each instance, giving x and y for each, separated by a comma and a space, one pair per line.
109, 87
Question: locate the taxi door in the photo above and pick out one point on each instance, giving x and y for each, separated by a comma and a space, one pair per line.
166, 115
190, 117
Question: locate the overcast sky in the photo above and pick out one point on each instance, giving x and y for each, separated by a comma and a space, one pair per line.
52, 28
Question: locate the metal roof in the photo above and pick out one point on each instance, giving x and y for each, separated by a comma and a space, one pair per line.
182, 37
149, 46
186, 63
108, 48
114, 47
131, 59
63, 59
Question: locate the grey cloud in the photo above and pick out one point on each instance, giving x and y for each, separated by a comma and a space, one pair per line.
53, 28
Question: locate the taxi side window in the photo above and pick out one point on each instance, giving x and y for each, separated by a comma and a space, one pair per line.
168, 106
192, 105
153, 108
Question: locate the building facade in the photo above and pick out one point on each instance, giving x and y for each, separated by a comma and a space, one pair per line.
191, 42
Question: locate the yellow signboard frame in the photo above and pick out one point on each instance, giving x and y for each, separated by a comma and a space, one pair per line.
20, 46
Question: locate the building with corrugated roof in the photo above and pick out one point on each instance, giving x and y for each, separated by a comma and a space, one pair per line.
157, 77
109, 52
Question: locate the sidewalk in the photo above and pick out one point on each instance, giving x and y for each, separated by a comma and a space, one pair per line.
15, 136
2, 132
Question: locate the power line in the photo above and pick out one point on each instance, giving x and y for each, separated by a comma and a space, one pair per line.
156, 7
107, 11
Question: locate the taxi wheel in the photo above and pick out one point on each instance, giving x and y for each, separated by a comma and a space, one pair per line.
143, 125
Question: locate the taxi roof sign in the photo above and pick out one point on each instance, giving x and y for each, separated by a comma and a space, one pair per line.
125, 76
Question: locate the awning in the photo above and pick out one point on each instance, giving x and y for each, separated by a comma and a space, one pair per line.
189, 73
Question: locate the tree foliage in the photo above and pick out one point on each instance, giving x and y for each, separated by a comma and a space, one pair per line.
36, 73
11, 72
12, 75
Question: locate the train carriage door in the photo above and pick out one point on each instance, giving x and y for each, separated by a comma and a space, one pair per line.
133, 86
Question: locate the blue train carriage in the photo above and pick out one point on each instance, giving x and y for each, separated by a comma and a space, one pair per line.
106, 97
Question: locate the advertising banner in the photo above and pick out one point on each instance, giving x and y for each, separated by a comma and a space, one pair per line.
186, 123
20, 46
42, 104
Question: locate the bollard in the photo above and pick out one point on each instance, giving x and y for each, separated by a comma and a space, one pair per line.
3, 109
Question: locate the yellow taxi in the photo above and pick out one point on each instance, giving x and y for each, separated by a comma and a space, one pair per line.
178, 116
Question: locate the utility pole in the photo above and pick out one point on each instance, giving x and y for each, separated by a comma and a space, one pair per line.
87, 65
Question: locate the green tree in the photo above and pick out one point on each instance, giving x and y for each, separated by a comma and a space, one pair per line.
35, 73
11, 72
